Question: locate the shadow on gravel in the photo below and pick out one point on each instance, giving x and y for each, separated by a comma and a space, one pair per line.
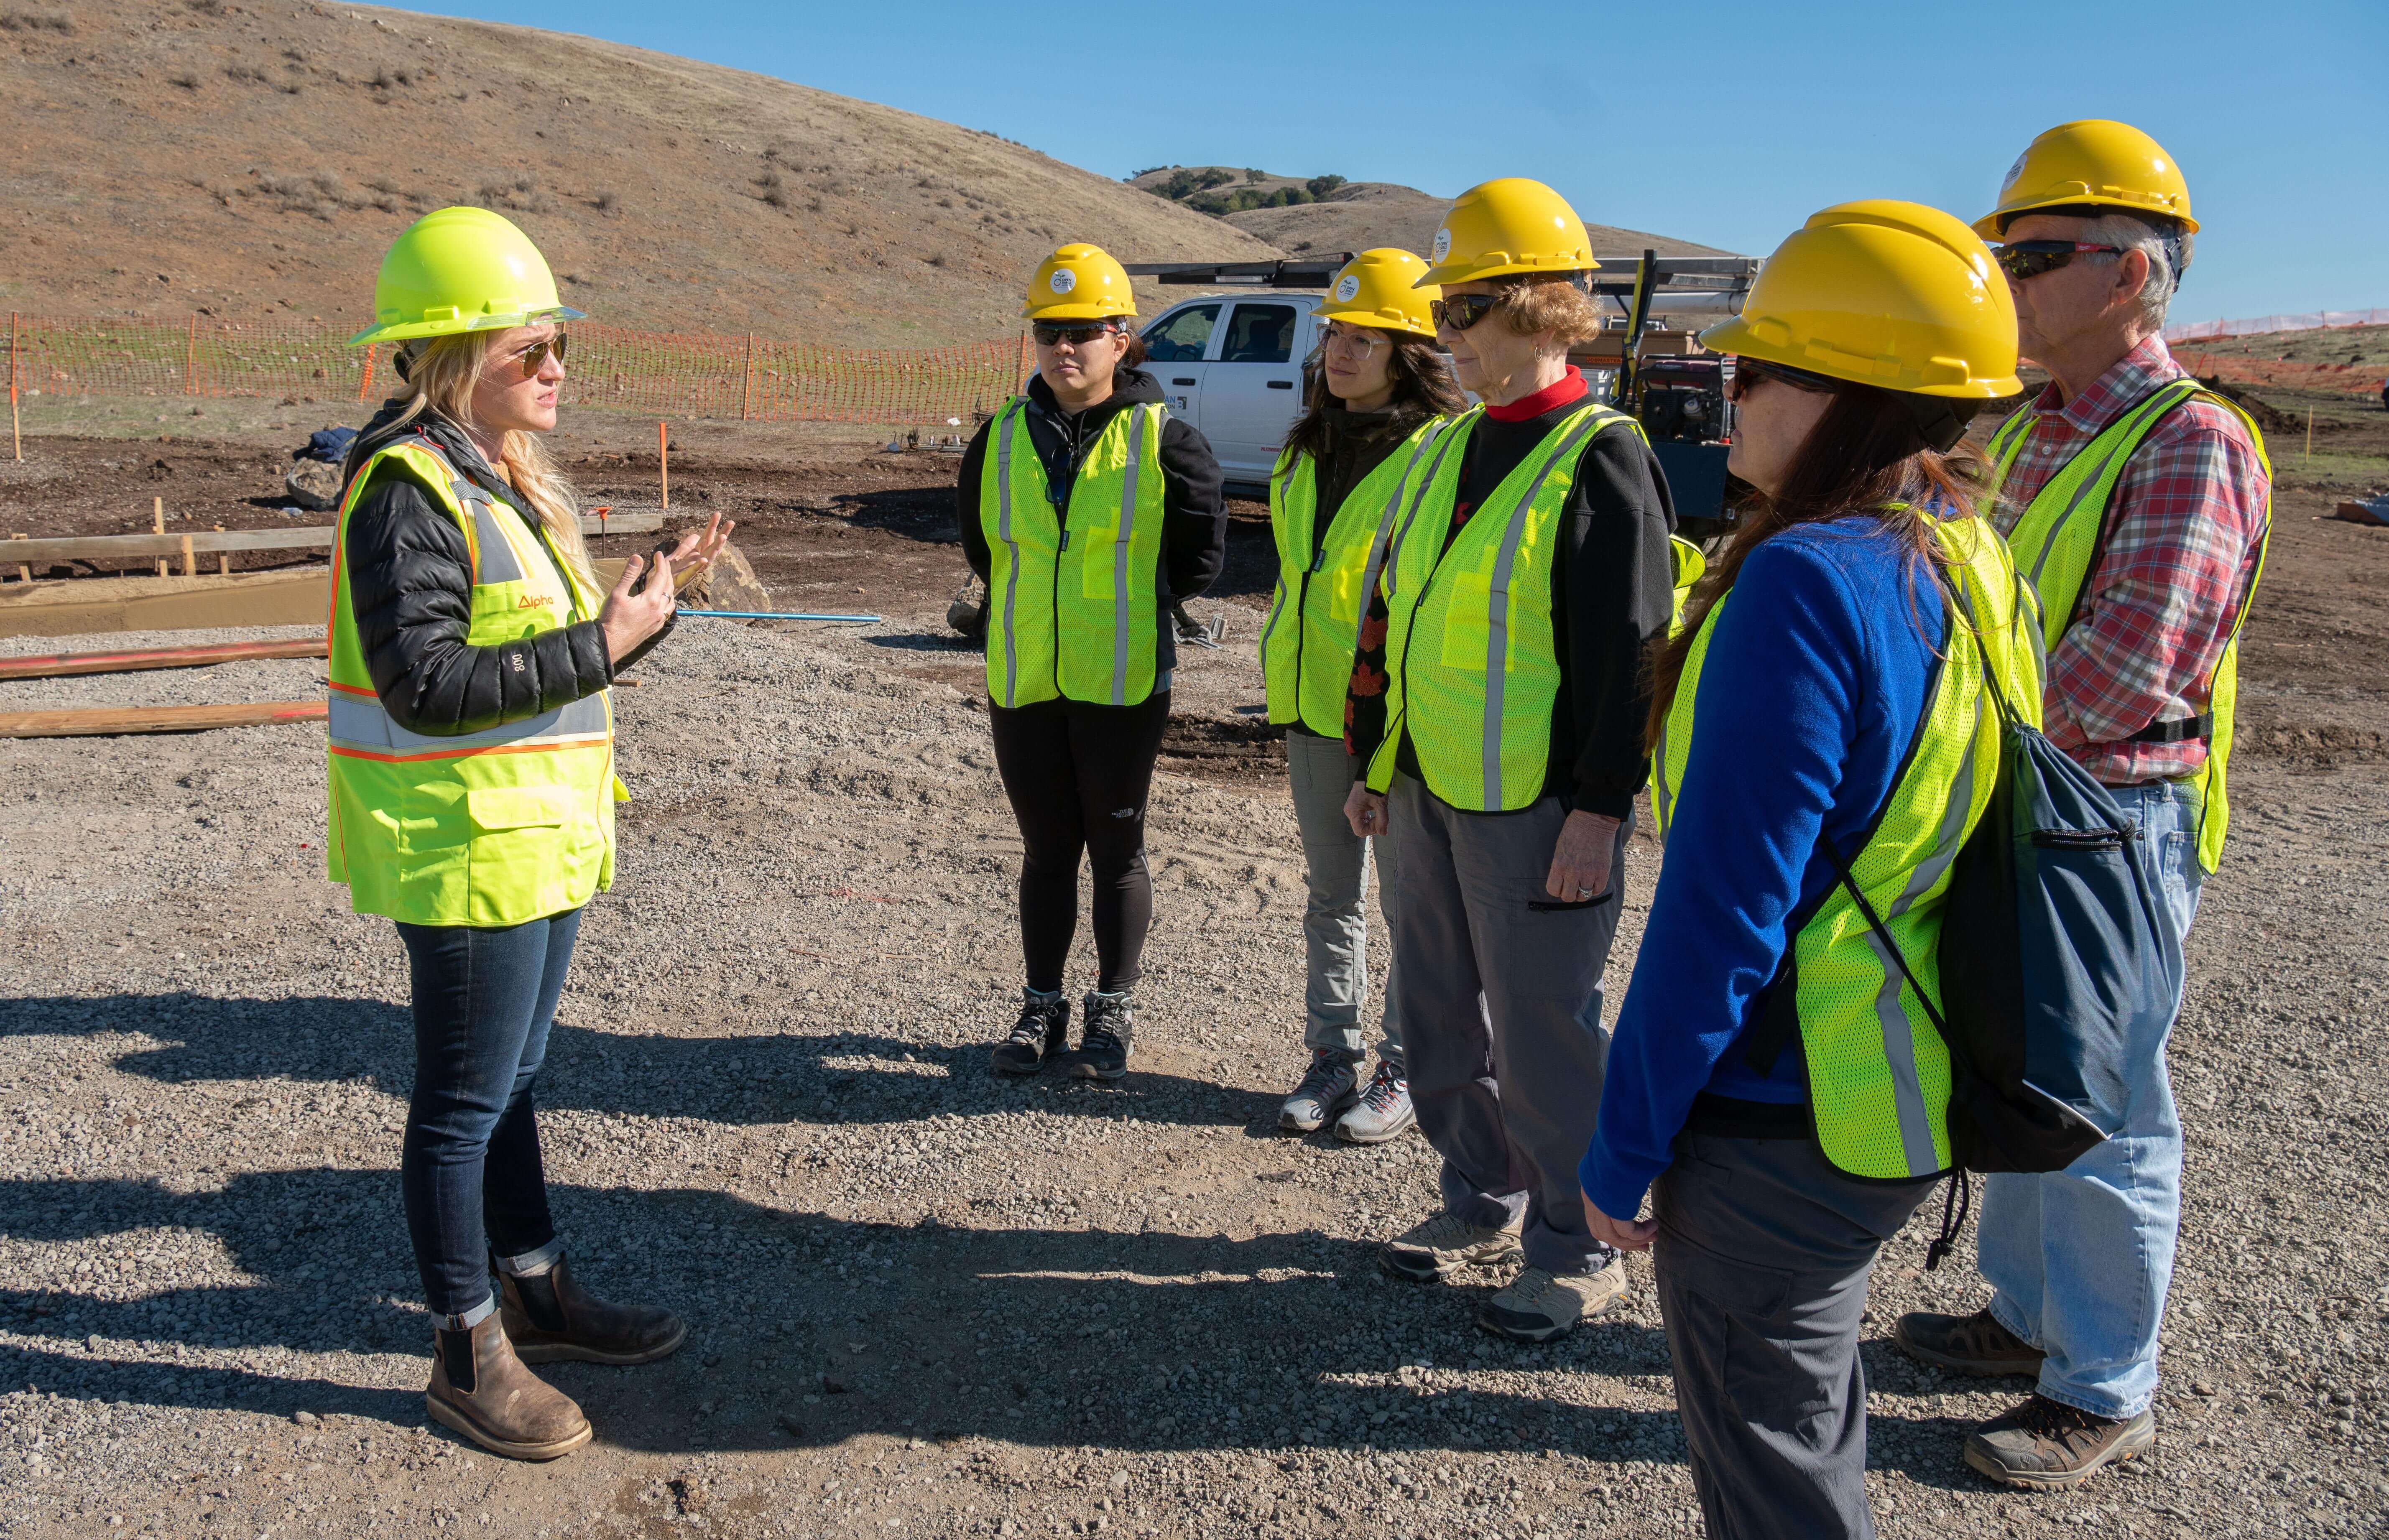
924, 514
778, 1077
809, 1331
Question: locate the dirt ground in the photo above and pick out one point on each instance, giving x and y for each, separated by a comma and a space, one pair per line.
925, 1303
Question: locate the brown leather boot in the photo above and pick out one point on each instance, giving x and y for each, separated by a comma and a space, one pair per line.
480, 1388
549, 1318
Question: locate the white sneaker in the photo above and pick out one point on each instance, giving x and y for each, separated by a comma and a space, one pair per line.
1383, 1111
1442, 1246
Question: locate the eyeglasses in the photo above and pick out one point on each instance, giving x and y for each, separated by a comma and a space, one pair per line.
1747, 369
1463, 310
534, 358
1077, 336
2021, 259
1351, 341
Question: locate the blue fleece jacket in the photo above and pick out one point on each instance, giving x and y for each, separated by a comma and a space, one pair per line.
1815, 687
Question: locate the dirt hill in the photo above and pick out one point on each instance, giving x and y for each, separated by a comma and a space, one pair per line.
247, 157
1330, 215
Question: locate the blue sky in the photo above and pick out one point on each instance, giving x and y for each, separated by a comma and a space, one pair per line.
1731, 133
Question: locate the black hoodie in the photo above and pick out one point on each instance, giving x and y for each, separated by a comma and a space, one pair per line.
1194, 516
411, 589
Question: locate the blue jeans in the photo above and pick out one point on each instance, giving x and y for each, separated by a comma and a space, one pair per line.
483, 1001
2080, 1258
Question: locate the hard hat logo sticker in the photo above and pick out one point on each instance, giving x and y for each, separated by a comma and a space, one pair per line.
1347, 286
1442, 243
1062, 281
2015, 170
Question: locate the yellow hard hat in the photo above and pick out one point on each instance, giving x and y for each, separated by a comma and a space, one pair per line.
461, 269
1079, 283
1510, 224
1381, 289
2103, 164
1883, 293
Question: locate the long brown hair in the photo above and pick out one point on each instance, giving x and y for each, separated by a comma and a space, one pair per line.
1866, 455
1422, 388
440, 377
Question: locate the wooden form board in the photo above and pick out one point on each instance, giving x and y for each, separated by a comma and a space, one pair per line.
111, 720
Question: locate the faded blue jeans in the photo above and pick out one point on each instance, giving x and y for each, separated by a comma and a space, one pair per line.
2080, 1258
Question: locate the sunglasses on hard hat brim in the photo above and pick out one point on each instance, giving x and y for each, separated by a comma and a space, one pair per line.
1076, 334
2021, 259
1747, 369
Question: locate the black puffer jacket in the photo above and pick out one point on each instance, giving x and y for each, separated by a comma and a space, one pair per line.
410, 588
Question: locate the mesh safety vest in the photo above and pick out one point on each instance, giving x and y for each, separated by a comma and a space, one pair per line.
1472, 661
1878, 1070
2056, 542
1073, 609
1314, 619
491, 828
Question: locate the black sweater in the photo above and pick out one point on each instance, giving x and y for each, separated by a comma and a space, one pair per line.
411, 591
1613, 592
1194, 515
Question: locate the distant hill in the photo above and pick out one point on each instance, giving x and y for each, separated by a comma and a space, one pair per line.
1299, 214
253, 157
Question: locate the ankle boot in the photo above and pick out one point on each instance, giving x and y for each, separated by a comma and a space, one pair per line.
482, 1390
549, 1318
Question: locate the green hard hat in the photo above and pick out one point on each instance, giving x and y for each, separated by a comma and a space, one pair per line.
461, 269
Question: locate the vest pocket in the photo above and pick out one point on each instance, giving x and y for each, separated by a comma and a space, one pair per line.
1467, 622
500, 807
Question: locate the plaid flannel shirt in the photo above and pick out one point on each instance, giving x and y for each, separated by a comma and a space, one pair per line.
2182, 539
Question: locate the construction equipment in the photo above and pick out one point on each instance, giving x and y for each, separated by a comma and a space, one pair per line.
1679, 398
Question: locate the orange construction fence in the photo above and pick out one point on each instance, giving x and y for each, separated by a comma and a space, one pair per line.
654, 374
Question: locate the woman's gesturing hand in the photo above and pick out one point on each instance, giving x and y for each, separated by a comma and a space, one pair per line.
699, 547
630, 617
1365, 810
1580, 857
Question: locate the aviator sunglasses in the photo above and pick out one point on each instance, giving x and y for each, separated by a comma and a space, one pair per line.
534, 357
2021, 259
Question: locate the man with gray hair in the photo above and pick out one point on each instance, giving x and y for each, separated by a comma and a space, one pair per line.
2138, 506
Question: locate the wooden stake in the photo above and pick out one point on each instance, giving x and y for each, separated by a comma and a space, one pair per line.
2311, 433
24, 573
747, 408
364, 386
191, 359
158, 523
663, 459
224, 559
16, 423
190, 559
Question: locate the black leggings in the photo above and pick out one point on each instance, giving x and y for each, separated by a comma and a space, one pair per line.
1078, 775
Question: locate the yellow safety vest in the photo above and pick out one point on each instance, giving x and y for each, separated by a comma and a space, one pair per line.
1472, 662
1073, 610
1878, 1070
1314, 619
491, 828
2056, 541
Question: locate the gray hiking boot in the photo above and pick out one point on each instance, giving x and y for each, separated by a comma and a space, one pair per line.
1383, 1111
1538, 1305
1330, 1085
1043, 1026
1971, 1344
1442, 1246
1102, 1053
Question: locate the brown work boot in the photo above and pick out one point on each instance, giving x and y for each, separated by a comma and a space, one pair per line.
480, 1389
2046, 1445
549, 1318
1971, 1344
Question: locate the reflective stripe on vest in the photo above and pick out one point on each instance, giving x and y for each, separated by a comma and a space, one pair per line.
496, 827
1314, 621
1471, 658
1878, 1070
1070, 601
2057, 538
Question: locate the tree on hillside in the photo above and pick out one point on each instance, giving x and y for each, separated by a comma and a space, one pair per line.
1321, 185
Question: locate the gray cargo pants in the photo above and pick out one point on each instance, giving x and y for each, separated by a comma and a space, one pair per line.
1762, 1261
1500, 1000
1335, 919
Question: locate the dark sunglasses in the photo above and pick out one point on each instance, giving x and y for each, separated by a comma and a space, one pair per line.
1077, 336
534, 358
2021, 259
1464, 311
1747, 369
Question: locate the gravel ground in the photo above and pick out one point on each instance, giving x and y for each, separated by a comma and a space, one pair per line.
928, 1302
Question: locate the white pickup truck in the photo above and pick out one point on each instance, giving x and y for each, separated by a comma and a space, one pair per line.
1233, 367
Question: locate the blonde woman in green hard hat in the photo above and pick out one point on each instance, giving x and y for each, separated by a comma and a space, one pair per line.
471, 768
